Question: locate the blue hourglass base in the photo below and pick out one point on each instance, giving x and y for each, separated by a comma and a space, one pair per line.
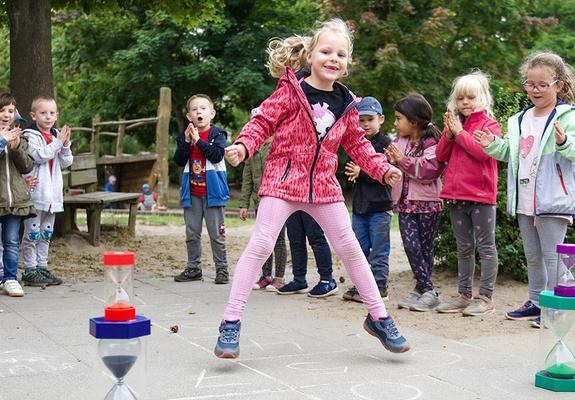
120, 391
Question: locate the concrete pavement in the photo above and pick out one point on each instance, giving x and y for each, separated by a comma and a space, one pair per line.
287, 351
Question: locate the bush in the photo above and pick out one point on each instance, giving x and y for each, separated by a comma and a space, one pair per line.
508, 240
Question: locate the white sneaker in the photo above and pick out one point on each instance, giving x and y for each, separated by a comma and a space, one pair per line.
12, 288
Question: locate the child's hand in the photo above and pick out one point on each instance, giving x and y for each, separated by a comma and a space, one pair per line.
482, 138
15, 142
392, 176
31, 182
66, 131
352, 171
235, 154
395, 153
560, 136
9, 134
448, 133
453, 123
192, 135
243, 214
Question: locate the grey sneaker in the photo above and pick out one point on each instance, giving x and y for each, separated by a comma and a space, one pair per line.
410, 300
455, 305
427, 302
480, 305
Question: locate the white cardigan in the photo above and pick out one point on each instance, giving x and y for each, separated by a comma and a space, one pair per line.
48, 195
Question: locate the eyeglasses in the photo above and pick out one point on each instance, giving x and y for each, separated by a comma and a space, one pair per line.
542, 87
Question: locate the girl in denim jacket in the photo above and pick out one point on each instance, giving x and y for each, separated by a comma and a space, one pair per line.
416, 196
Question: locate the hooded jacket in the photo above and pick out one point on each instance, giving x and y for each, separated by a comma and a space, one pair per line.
14, 195
301, 167
49, 194
470, 174
218, 192
555, 179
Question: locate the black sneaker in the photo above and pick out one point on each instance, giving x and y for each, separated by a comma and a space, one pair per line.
50, 276
324, 289
222, 276
189, 274
35, 278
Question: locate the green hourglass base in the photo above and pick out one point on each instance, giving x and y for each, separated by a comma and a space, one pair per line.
554, 384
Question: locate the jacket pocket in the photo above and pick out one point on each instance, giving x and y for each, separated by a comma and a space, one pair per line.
286, 171
561, 180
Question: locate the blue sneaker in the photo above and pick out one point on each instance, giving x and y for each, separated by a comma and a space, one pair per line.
293, 287
527, 310
536, 322
385, 330
228, 345
324, 289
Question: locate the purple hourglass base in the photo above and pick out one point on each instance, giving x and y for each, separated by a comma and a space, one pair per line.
564, 291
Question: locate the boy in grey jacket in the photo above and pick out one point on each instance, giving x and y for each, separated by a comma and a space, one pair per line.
51, 152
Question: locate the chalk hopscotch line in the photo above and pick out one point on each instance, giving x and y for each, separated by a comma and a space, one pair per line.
25, 363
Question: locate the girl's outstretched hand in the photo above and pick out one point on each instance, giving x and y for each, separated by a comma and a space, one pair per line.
9, 134
235, 154
560, 136
392, 176
483, 138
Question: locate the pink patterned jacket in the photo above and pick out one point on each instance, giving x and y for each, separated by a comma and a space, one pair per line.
300, 168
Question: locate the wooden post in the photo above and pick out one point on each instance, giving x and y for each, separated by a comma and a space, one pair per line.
162, 138
120, 139
95, 142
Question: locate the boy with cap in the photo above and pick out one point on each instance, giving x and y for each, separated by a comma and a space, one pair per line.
372, 205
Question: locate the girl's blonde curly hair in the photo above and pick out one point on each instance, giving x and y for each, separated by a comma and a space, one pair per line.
562, 71
292, 51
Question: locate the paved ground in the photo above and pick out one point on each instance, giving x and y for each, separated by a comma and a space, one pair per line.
288, 352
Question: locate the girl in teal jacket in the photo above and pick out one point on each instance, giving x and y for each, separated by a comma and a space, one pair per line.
540, 149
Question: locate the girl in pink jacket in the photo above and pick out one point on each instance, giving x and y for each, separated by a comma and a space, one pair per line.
310, 115
416, 198
470, 190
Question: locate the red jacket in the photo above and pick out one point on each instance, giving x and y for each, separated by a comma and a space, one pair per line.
300, 168
471, 174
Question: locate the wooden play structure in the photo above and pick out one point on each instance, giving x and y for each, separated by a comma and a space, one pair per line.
132, 170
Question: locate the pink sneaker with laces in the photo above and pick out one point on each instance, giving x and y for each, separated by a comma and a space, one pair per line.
275, 285
262, 283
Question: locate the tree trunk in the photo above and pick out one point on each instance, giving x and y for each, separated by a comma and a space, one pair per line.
30, 51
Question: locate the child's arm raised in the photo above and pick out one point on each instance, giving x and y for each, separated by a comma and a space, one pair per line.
564, 140
65, 155
21, 157
424, 168
39, 150
471, 147
496, 147
262, 125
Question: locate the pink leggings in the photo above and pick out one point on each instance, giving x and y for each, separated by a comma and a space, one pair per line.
334, 220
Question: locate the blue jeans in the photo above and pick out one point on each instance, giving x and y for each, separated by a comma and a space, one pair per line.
372, 233
11, 242
299, 225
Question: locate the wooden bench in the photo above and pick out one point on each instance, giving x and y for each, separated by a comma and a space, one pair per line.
83, 174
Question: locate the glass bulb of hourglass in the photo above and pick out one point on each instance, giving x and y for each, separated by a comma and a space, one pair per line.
560, 362
119, 355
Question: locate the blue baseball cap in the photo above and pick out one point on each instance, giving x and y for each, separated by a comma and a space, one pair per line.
369, 106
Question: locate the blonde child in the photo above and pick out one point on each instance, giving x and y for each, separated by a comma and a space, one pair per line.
310, 115
50, 149
540, 149
416, 198
470, 190
15, 202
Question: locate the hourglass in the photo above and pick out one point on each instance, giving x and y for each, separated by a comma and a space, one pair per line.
558, 326
120, 330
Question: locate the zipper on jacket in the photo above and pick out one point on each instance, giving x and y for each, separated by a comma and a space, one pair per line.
8, 179
286, 171
560, 173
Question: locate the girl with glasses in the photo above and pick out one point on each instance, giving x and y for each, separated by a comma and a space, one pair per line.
540, 149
